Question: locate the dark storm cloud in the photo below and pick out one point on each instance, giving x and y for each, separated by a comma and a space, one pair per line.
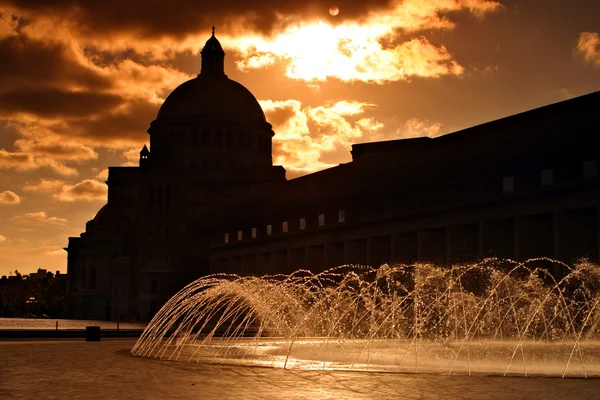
56, 102
30, 62
178, 18
125, 126
73, 98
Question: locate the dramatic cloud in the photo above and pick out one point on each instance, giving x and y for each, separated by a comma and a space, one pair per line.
64, 151
415, 127
8, 197
26, 162
102, 175
373, 49
312, 138
57, 103
33, 64
87, 189
358, 58
44, 186
8, 25
157, 18
39, 219
588, 45
75, 101
19, 161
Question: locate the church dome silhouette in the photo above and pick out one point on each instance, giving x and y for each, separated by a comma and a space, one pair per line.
212, 95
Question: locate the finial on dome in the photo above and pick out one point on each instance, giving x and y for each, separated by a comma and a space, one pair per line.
212, 57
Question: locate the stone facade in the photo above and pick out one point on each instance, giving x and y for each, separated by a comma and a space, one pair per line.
206, 199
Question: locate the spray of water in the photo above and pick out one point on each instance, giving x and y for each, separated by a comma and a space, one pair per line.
493, 317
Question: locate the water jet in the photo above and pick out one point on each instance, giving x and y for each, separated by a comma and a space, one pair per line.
497, 317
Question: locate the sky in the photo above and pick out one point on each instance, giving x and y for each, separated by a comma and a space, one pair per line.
81, 80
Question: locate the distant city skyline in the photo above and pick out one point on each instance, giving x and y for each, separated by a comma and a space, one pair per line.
81, 82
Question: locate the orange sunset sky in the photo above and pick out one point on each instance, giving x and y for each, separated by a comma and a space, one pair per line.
81, 80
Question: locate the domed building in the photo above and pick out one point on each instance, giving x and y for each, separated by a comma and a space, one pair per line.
206, 198
209, 145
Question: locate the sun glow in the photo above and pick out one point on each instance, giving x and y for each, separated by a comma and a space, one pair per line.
382, 48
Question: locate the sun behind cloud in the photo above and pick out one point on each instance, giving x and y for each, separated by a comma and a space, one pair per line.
355, 50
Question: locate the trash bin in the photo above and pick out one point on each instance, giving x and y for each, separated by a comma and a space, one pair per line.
92, 333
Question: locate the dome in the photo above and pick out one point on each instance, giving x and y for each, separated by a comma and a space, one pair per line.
212, 97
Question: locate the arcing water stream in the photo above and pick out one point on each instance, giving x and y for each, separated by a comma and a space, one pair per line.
494, 317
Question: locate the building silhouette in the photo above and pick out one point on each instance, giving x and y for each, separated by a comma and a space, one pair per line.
206, 198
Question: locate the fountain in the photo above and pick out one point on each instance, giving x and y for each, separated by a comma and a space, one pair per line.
497, 317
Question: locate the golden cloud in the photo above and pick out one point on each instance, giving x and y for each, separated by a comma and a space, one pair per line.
8, 24
87, 189
8, 197
371, 50
58, 150
357, 57
4, 240
26, 162
37, 219
43, 186
415, 127
308, 139
588, 46
102, 175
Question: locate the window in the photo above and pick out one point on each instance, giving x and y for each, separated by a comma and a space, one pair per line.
167, 257
302, 223
240, 235
508, 184
150, 232
253, 233
226, 238
167, 232
547, 177
153, 286
269, 230
342, 216
590, 169
321, 219
284, 227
